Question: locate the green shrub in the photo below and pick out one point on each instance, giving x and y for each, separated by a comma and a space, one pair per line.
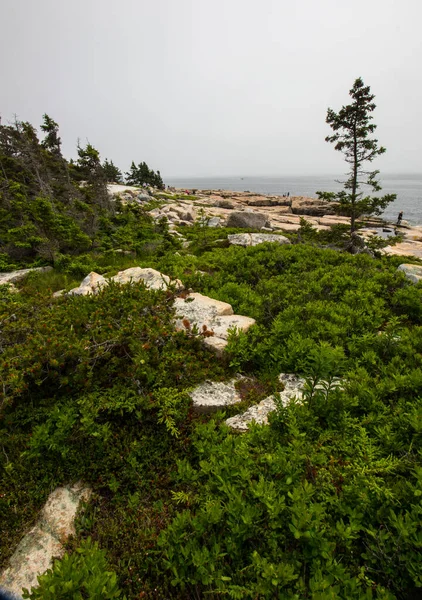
83, 574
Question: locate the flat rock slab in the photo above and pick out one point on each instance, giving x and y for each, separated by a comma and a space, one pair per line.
153, 280
213, 396
116, 188
253, 239
412, 272
292, 227
35, 552
210, 316
405, 249
200, 309
16, 276
255, 414
313, 206
415, 233
293, 388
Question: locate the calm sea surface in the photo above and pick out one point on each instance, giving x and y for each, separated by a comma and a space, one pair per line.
407, 187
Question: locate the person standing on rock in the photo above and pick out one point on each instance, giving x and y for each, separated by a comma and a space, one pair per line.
399, 218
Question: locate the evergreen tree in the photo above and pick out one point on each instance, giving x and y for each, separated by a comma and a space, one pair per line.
142, 174
113, 174
90, 170
352, 129
159, 181
132, 175
51, 142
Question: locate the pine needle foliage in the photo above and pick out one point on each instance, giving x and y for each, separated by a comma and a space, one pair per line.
353, 127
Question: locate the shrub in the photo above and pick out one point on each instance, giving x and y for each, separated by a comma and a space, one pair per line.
83, 574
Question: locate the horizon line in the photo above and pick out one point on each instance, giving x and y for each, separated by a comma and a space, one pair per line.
257, 175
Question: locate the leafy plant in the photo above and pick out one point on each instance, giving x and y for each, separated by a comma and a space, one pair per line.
83, 574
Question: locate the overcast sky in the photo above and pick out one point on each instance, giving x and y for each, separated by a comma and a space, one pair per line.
214, 87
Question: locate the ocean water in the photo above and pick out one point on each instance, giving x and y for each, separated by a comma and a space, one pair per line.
407, 187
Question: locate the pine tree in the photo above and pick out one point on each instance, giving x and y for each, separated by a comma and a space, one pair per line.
51, 142
132, 175
142, 174
352, 129
113, 174
159, 181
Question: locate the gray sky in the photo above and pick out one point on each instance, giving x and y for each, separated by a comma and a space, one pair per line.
214, 87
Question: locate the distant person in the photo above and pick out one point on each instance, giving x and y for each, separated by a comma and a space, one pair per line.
288, 194
399, 218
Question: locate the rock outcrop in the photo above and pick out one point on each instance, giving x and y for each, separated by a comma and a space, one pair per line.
45, 540
247, 220
153, 279
91, 284
313, 206
213, 396
412, 272
293, 388
16, 276
407, 248
253, 239
129, 193
208, 317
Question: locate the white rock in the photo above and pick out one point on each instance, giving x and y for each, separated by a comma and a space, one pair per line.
172, 216
15, 276
209, 315
293, 388
213, 396
214, 222
216, 345
412, 272
116, 188
199, 309
89, 285
257, 413
34, 554
150, 277
253, 239
59, 511
222, 324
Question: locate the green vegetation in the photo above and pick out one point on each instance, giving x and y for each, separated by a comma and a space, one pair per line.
84, 574
352, 127
324, 502
113, 174
51, 207
143, 175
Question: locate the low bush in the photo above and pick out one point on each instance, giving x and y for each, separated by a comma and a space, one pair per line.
84, 574
323, 503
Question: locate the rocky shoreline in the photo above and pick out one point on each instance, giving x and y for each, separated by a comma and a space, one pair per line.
268, 213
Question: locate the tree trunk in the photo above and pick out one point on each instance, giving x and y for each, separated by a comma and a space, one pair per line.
354, 180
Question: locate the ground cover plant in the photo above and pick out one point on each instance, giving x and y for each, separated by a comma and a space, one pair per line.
323, 503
